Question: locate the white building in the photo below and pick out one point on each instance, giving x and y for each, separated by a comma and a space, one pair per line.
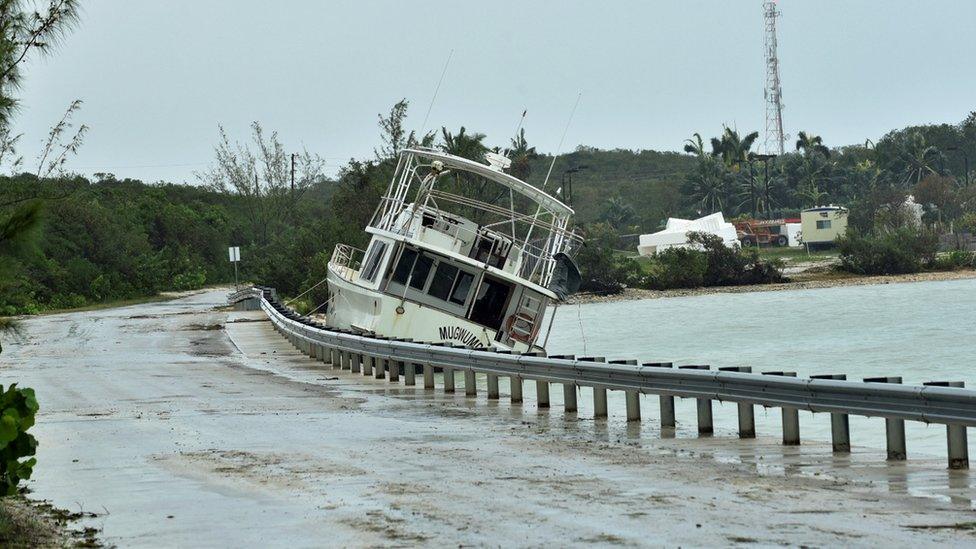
675, 233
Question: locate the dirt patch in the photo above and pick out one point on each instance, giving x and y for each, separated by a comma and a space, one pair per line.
28, 523
203, 327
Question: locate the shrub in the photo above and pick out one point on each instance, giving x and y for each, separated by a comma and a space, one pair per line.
604, 271
955, 259
734, 266
676, 268
17, 409
900, 251
190, 280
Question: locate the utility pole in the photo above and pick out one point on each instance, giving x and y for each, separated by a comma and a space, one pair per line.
775, 138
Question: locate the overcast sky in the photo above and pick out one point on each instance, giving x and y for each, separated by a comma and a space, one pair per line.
157, 76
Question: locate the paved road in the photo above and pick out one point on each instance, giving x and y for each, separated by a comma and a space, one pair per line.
182, 424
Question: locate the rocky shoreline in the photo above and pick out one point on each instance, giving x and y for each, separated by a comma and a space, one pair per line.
801, 282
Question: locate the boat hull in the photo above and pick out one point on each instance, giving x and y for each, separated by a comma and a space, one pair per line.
355, 307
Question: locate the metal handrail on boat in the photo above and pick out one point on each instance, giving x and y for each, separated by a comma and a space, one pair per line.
346, 260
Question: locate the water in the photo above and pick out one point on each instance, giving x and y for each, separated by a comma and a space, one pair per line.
920, 331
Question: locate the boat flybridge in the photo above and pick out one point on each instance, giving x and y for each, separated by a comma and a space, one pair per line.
460, 252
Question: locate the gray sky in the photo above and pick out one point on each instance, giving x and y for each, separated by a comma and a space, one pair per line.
158, 76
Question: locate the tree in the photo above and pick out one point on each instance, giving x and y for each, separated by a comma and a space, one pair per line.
24, 31
463, 144
394, 136
707, 188
919, 158
18, 233
263, 178
618, 213
811, 144
695, 146
521, 155
733, 149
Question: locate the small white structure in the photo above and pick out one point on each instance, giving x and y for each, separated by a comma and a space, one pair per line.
793, 232
675, 233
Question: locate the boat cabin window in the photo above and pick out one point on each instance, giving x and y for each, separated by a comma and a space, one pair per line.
444, 277
404, 266
421, 271
372, 263
462, 287
489, 305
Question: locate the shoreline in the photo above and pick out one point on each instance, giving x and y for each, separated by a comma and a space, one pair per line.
799, 282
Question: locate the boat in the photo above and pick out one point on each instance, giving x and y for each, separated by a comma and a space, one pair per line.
460, 252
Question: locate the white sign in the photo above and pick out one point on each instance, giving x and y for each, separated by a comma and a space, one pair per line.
235, 253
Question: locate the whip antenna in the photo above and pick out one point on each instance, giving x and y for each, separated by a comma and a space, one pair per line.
434, 98
560, 147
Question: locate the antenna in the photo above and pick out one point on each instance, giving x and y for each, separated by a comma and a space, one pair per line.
560, 147
520, 122
775, 138
434, 98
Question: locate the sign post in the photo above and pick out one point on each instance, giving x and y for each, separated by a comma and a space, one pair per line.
235, 257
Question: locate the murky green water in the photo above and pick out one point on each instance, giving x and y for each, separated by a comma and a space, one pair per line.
921, 331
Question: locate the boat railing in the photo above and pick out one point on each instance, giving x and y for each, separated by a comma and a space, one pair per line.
346, 260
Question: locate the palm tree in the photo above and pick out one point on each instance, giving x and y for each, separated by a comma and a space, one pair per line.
733, 149
521, 154
695, 146
463, 144
707, 188
618, 213
919, 158
810, 143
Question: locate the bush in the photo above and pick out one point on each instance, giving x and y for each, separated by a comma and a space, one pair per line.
955, 259
17, 409
604, 271
190, 280
900, 251
734, 266
676, 268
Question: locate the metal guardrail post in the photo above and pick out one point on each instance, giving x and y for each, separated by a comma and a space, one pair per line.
666, 401
356, 363
840, 426
894, 428
542, 393
448, 380
791, 416
409, 374
747, 411
492, 387
631, 398
367, 365
394, 370
706, 424
569, 389
347, 360
428, 376
470, 383
599, 394
313, 351
379, 367
956, 438
515, 389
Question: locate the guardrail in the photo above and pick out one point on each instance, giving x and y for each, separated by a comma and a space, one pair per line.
940, 402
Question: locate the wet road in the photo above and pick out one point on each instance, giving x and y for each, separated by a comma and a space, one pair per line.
181, 424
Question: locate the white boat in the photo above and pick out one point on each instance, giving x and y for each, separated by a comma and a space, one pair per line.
460, 252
